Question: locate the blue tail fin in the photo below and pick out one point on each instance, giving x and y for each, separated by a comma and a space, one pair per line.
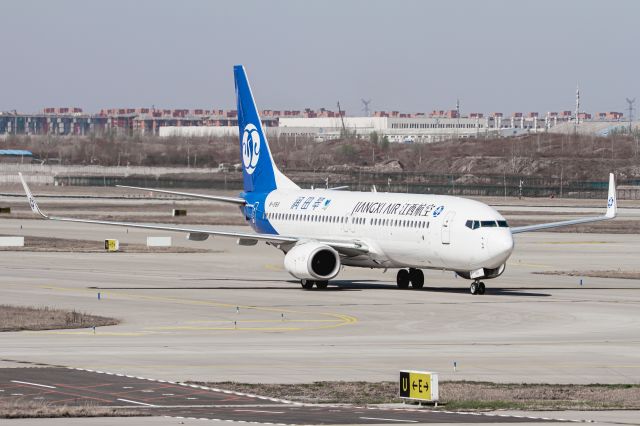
259, 172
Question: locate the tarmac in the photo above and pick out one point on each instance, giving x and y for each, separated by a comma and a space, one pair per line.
235, 314
67, 386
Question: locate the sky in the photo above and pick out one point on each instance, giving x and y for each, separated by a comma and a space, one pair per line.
406, 55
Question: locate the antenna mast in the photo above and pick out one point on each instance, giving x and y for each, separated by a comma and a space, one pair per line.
630, 109
344, 128
365, 106
577, 109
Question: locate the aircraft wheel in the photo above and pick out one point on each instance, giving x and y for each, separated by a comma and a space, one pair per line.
481, 288
402, 279
307, 284
474, 287
417, 278
322, 284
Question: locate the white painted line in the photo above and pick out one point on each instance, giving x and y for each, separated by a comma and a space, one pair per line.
168, 394
389, 420
259, 411
17, 394
136, 402
127, 387
33, 384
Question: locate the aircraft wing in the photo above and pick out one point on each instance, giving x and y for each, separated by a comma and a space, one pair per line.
612, 207
233, 200
197, 234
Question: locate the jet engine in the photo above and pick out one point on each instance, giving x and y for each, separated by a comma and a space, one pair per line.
312, 261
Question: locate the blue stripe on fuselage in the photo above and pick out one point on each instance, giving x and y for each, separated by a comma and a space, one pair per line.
257, 221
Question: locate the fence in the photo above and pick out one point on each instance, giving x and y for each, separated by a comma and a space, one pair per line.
459, 185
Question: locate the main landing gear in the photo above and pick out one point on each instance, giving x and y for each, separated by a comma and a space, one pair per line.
477, 287
412, 276
308, 284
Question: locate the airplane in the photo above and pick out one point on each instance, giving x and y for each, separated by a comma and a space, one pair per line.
321, 230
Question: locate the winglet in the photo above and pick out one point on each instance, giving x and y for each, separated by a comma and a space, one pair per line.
32, 200
612, 201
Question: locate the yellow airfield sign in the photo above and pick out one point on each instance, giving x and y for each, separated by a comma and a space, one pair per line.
111, 245
419, 385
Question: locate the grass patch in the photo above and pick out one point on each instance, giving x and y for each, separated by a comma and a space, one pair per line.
627, 275
49, 244
20, 318
456, 395
18, 409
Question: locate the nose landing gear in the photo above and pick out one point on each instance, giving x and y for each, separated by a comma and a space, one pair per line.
477, 287
412, 276
308, 284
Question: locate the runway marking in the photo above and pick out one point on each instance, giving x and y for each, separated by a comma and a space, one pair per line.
266, 320
259, 411
136, 402
33, 384
389, 420
273, 267
339, 320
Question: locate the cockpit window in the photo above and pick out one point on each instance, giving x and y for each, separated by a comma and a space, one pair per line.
475, 224
472, 224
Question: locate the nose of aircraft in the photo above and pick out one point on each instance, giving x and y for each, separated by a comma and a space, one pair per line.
500, 247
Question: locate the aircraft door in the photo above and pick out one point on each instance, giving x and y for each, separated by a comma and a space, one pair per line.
348, 226
446, 227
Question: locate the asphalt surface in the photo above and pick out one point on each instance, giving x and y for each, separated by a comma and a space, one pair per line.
73, 387
235, 314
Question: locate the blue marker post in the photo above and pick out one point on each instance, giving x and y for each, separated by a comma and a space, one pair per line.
98, 295
580, 282
94, 329
455, 366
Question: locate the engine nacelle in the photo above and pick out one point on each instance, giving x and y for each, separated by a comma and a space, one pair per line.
312, 261
488, 273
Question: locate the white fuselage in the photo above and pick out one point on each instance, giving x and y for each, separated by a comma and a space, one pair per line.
400, 230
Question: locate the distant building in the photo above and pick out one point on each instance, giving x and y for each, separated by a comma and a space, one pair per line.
321, 124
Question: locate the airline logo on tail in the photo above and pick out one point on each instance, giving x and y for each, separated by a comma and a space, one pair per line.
250, 148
